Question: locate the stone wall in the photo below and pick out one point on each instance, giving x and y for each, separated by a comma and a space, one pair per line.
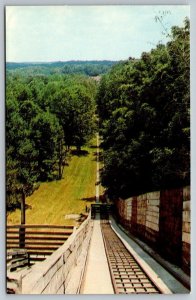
152, 217
170, 224
141, 215
186, 228
61, 273
162, 219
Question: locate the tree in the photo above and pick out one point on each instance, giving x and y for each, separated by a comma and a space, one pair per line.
74, 106
43, 114
144, 118
47, 135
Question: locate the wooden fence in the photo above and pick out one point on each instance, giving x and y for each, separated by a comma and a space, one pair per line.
40, 241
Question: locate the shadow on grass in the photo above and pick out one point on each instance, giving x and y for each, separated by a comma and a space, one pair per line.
93, 147
89, 199
95, 157
79, 152
17, 206
27, 206
92, 199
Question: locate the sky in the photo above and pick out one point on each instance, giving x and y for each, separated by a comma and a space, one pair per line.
63, 33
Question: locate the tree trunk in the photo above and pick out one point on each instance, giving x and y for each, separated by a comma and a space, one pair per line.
22, 229
23, 208
60, 160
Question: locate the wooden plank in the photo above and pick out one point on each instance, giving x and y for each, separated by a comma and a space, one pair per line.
40, 240
18, 264
17, 258
8, 238
41, 226
40, 233
16, 251
20, 258
60, 238
46, 238
37, 259
13, 238
47, 233
12, 242
55, 243
52, 248
42, 253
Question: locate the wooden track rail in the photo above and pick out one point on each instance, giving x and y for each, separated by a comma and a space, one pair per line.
128, 277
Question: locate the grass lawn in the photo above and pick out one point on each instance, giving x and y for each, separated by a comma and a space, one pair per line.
53, 200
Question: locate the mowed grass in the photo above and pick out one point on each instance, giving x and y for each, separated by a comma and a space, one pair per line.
53, 200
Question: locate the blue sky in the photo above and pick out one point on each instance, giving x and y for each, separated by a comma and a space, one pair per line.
61, 33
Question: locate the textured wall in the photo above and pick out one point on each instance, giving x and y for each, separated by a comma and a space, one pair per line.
186, 229
162, 219
152, 217
170, 224
61, 272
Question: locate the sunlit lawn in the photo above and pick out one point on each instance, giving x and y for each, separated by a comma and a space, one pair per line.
53, 200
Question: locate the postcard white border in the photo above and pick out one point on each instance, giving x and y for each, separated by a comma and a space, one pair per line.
192, 3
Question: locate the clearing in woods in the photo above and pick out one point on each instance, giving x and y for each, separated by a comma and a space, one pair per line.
54, 200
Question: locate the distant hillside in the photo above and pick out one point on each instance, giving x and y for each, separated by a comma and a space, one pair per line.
90, 68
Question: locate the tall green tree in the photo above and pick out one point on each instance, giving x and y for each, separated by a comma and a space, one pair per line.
74, 105
43, 114
47, 135
144, 117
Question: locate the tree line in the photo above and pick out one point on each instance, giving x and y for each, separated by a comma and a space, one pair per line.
89, 68
45, 116
144, 115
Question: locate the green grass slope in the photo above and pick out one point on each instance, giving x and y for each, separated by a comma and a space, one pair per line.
53, 200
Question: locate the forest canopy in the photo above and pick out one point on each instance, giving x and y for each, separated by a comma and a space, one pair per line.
45, 116
144, 110
89, 68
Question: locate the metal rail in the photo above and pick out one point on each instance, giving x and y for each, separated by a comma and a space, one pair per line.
128, 277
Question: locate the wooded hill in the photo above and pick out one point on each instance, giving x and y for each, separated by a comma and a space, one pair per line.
90, 68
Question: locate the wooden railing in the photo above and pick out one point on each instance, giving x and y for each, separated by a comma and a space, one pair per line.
40, 241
